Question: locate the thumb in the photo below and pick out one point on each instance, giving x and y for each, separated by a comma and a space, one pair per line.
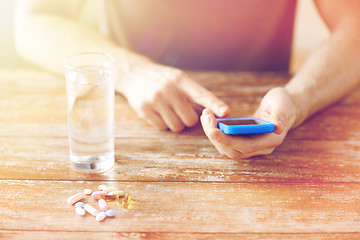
198, 94
276, 108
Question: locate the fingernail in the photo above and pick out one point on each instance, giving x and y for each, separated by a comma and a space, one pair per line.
205, 111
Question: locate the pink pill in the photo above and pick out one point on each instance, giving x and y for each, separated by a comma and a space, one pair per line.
96, 195
103, 205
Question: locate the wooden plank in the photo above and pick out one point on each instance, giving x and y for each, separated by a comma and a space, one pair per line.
194, 160
21, 235
187, 207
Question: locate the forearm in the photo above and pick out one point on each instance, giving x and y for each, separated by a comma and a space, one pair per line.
46, 40
328, 74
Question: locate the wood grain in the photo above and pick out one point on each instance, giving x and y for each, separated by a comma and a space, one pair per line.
309, 188
187, 207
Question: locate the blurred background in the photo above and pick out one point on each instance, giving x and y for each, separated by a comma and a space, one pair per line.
309, 32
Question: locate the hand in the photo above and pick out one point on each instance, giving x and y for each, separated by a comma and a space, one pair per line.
276, 107
163, 96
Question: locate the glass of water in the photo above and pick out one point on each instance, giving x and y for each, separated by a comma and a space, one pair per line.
90, 97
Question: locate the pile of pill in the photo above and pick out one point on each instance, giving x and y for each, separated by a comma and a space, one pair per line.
104, 196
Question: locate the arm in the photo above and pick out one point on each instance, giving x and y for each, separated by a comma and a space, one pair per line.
331, 71
48, 31
329, 74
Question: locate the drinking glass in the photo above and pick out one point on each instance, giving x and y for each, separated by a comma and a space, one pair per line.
90, 99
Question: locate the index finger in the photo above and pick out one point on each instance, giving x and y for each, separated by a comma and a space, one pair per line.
200, 95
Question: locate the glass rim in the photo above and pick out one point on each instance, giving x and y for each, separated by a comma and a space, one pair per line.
105, 66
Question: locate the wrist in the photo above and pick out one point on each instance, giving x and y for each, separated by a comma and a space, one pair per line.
299, 105
126, 63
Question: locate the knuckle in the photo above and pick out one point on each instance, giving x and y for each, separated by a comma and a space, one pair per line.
178, 77
215, 135
156, 98
203, 94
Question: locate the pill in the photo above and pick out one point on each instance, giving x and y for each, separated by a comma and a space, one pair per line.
103, 205
126, 201
100, 216
80, 211
79, 204
90, 209
118, 192
111, 198
73, 199
110, 213
87, 191
96, 195
102, 187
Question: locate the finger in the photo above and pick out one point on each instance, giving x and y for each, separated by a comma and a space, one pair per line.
204, 97
261, 152
169, 117
147, 113
205, 120
277, 107
243, 144
183, 108
273, 117
155, 120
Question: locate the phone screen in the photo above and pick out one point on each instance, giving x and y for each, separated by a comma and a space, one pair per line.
240, 122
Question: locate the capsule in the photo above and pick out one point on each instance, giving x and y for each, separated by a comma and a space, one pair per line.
90, 209
100, 216
77, 197
97, 194
103, 205
112, 197
126, 201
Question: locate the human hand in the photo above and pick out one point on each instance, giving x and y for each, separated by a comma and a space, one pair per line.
163, 96
276, 107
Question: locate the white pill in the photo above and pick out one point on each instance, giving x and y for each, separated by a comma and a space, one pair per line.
102, 187
80, 211
100, 216
90, 209
77, 197
87, 191
110, 189
79, 204
110, 213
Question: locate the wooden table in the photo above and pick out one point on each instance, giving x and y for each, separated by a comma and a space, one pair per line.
309, 188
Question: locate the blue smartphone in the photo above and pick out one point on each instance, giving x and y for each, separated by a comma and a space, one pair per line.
244, 125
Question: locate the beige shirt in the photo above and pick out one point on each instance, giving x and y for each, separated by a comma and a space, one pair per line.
204, 34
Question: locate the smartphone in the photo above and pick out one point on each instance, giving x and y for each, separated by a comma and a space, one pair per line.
244, 125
